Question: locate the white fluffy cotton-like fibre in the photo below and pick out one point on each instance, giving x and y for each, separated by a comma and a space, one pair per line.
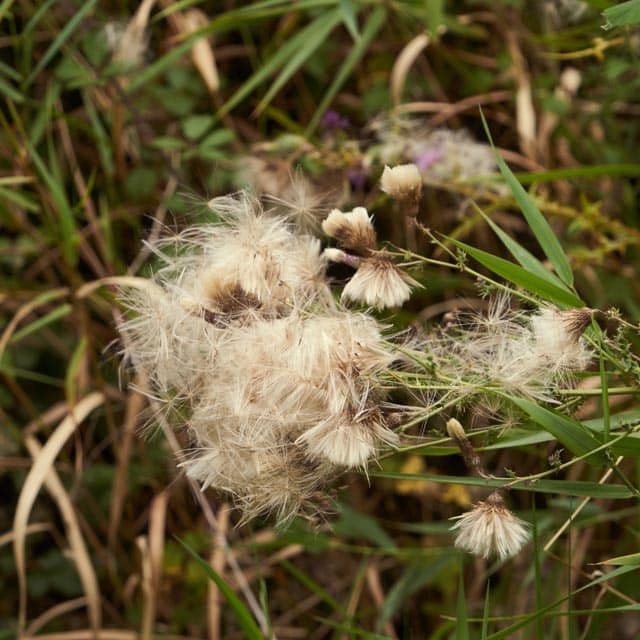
278, 388
490, 529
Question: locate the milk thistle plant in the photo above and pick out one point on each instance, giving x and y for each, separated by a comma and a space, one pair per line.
281, 386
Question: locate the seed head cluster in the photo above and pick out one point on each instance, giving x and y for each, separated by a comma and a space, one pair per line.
238, 333
281, 387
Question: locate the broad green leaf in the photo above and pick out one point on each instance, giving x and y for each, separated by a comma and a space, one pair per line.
316, 34
371, 29
579, 488
622, 15
536, 221
243, 616
524, 257
196, 126
523, 278
573, 435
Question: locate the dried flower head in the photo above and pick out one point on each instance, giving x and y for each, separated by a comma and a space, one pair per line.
402, 182
556, 338
379, 283
490, 529
244, 346
353, 230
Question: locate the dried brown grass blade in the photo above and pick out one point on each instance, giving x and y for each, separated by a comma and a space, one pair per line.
119, 281
79, 551
403, 63
89, 634
135, 404
152, 550
217, 562
34, 481
36, 527
202, 52
53, 613
148, 604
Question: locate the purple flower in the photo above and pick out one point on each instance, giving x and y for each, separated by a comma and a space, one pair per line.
333, 121
357, 178
428, 157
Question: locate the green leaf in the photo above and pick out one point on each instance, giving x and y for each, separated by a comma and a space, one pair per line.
371, 28
316, 34
194, 127
168, 143
462, 622
524, 257
243, 616
217, 138
60, 39
622, 15
523, 278
415, 577
313, 586
579, 488
536, 221
68, 234
573, 435
357, 525
53, 316
632, 559
349, 18
279, 58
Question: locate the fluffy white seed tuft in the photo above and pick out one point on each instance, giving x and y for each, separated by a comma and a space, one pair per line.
402, 182
490, 529
353, 229
379, 283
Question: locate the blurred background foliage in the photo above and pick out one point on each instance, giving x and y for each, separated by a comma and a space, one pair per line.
118, 118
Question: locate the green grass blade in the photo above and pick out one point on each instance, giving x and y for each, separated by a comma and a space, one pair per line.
523, 278
279, 58
49, 318
462, 621
537, 568
487, 611
4, 7
349, 18
573, 435
243, 616
580, 488
415, 577
68, 232
522, 255
632, 559
8, 91
536, 221
313, 586
60, 39
371, 29
316, 33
